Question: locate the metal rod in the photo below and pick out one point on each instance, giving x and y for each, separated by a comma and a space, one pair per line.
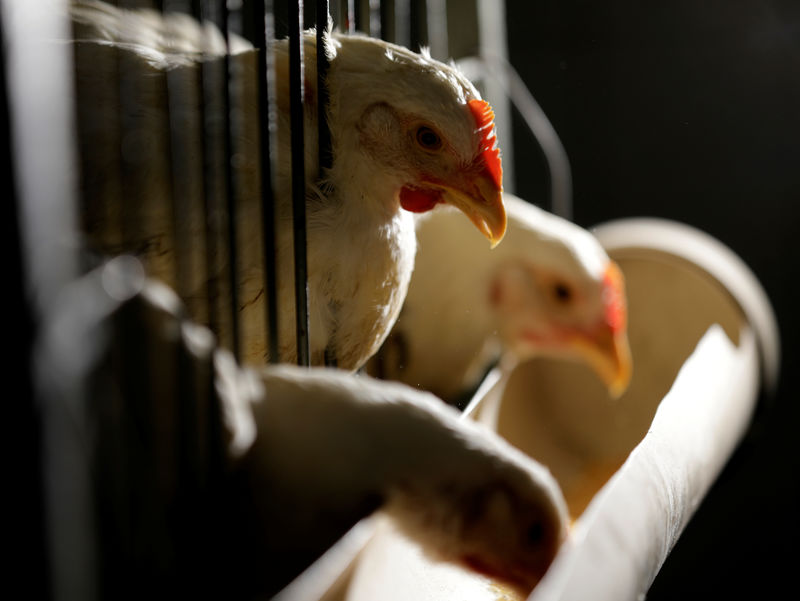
417, 25
216, 89
375, 18
359, 11
324, 133
130, 226
230, 193
296, 100
261, 38
349, 16
41, 142
195, 447
436, 17
325, 157
386, 19
402, 22
180, 125
558, 167
205, 98
29, 497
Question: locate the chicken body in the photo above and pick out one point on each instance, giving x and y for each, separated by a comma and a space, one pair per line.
329, 448
550, 288
408, 133
253, 478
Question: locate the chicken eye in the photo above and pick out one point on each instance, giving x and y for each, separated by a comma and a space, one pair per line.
562, 292
428, 139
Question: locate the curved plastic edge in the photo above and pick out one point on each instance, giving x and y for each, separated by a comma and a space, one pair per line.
620, 542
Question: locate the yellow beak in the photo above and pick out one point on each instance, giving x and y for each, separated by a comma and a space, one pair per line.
609, 354
480, 199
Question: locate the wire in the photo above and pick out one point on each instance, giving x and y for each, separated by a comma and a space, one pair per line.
540, 126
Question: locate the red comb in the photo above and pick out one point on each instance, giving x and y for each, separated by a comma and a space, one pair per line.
614, 297
484, 119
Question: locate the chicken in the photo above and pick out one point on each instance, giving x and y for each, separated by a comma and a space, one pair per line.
330, 447
550, 288
408, 133
306, 452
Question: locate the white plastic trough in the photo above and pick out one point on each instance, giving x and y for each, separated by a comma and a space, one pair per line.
704, 342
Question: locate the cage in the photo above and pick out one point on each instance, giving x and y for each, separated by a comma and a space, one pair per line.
741, 354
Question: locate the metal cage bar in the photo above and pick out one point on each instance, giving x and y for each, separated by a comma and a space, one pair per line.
296, 100
221, 19
117, 397
41, 185
28, 503
255, 12
325, 157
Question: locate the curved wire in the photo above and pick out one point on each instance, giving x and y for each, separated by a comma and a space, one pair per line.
540, 126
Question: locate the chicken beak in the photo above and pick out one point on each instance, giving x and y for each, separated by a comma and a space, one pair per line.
609, 354
481, 199
606, 348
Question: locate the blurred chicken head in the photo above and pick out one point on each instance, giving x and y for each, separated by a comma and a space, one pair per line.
569, 313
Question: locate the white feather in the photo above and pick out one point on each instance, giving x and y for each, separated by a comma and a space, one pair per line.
361, 245
448, 333
330, 447
307, 452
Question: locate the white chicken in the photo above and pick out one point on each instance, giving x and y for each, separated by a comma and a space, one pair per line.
550, 289
408, 133
330, 448
308, 452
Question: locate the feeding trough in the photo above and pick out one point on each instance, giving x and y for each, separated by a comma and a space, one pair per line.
633, 470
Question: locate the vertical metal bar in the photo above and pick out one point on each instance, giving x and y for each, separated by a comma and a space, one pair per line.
219, 199
555, 155
417, 25
197, 468
386, 20
324, 133
325, 158
436, 16
402, 22
296, 101
350, 11
375, 18
41, 138
360, 15
27, 505
262, 35
187, 182
220, 18
36, 72
339, 16
205, 95
129, 225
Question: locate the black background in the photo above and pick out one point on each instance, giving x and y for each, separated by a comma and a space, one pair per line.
690, 111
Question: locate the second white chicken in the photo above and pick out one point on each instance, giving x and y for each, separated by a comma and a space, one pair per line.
550, 288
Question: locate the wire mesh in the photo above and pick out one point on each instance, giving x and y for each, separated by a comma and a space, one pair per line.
140, 484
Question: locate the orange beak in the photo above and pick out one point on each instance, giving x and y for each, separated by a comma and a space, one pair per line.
609, 354
480, 198
606, 348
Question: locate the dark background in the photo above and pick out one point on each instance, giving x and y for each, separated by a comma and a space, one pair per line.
690, 111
